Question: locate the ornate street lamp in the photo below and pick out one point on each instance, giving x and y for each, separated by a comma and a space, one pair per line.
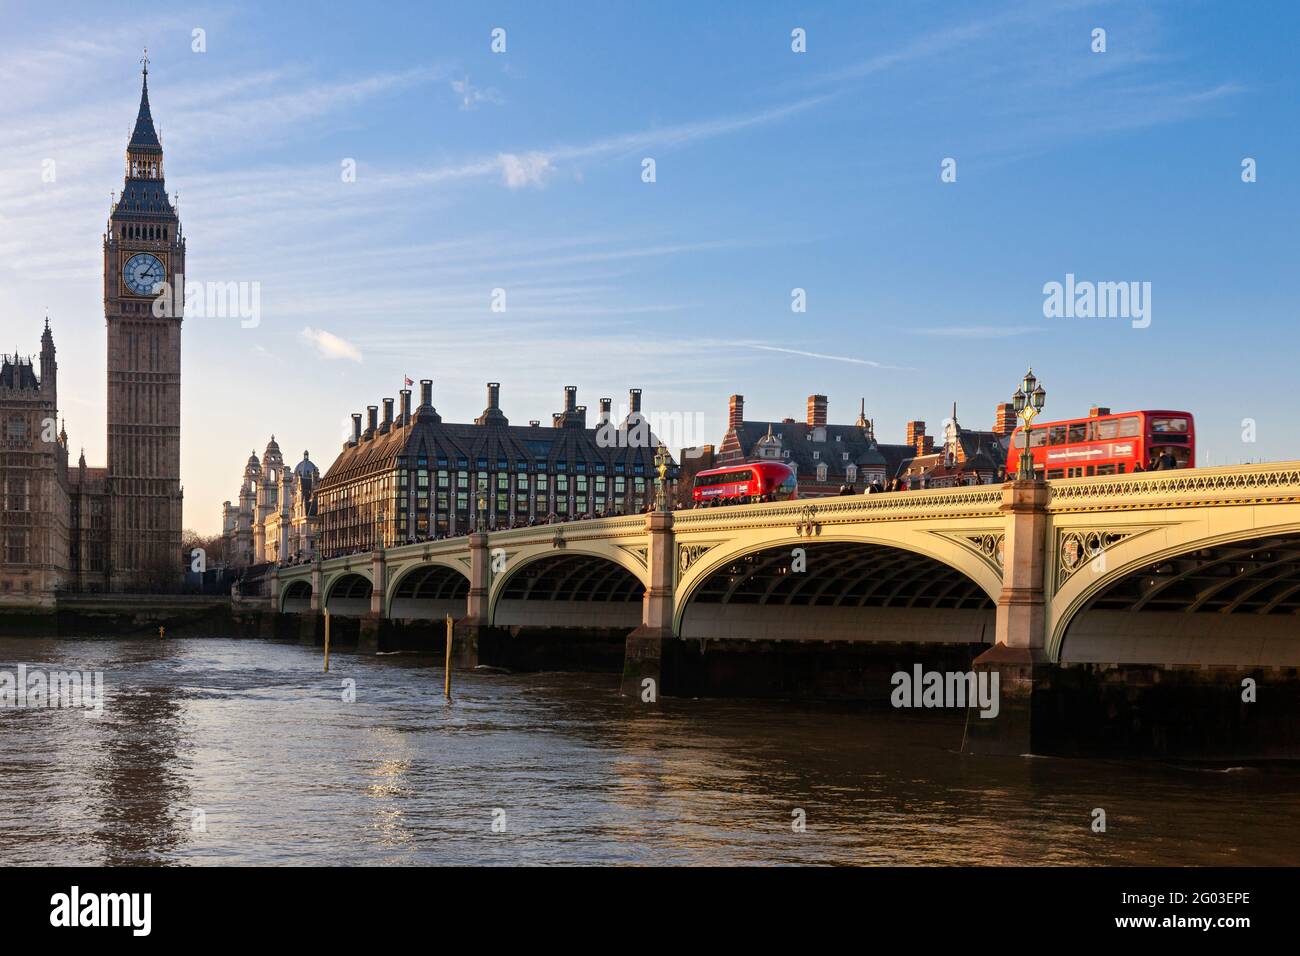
661, 482
1029, 400
482, 505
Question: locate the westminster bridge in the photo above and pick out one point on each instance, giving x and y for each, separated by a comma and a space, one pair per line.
1158, 578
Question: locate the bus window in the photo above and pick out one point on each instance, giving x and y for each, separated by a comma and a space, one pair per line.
728, 478
1162, 425
1038, 438
1106, 469
1181, 454
1056, 473
1078, 433
1130, 427
1056, 435
1108, 430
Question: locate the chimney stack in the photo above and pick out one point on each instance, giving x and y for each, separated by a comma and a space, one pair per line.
817, 410
581, 412
372, 420
605, 404
916, 437
356, 428
735, 411
406, 406
494, 394
634, 401
1004, 420
388, 414
570, 398
534, 423
426, 393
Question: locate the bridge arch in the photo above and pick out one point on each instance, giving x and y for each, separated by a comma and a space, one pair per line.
295, 597
427, 591
573, 587
1174, 595
915, 590
348, 593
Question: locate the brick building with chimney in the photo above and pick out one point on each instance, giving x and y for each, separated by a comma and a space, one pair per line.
824, 456
966, 457
827, 457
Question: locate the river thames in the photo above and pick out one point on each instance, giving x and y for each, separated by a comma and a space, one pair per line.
223, 751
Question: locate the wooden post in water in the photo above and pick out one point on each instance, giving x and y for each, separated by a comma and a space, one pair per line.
327, 642
446, 670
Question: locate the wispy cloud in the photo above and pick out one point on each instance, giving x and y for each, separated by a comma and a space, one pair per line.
531, 169
534, 167
831, 358
471, 96
330, 346
980, 331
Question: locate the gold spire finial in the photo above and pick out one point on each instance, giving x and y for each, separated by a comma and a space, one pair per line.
144, 61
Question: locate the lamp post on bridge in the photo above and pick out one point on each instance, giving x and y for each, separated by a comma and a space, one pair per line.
482, 497
1029, 400
661, 481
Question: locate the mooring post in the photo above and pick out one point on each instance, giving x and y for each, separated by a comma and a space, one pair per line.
446, 672
327, 641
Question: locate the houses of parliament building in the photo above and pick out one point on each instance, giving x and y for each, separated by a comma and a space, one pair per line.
115, 528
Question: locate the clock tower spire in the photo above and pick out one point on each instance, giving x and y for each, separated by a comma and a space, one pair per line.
144, 258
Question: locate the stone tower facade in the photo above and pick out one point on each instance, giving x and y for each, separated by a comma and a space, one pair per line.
34, 513
143, 249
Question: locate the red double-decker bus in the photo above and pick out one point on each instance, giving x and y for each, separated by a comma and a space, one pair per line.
745, 484
1108, 444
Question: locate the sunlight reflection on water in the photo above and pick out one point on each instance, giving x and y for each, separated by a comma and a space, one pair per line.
255, 736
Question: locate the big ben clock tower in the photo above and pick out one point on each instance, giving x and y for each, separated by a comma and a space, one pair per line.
144, 248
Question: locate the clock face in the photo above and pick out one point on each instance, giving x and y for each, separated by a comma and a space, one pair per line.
143, 273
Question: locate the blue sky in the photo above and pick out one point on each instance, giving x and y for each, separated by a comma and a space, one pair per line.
774, 171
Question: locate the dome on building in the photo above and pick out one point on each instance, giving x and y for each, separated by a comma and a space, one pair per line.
254, 467
306, 468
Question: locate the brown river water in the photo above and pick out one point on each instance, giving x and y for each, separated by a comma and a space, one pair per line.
223, 751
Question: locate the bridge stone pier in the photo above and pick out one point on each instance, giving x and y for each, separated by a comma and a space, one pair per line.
1153, 613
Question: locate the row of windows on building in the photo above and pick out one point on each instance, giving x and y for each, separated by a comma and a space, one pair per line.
419, 502
144, 231
144, 169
